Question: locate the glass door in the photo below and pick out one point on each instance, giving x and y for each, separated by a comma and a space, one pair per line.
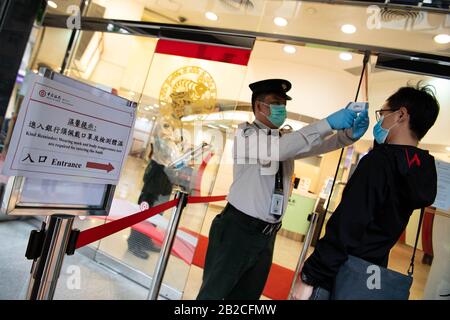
185, 92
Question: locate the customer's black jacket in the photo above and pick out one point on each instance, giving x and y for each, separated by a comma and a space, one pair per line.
388, 184
156, 182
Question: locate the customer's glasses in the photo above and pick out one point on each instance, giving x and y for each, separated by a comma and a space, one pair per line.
378, 113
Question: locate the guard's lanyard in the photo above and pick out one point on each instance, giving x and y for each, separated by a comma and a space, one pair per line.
276, 204
279, 178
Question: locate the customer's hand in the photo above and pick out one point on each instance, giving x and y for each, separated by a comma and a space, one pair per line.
341, 119
360, 125
302, 291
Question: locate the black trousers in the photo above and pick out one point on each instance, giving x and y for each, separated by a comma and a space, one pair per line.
238, 258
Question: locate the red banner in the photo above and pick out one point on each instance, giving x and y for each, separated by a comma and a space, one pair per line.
204, 51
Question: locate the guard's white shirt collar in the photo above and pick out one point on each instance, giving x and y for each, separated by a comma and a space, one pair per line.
263, 126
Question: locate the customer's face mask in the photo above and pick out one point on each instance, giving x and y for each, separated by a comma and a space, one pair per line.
379, 133
277, 114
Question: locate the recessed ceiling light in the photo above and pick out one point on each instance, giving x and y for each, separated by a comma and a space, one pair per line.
442, 38
348, 28
281, 22
52, 4
211, 16
346, 56
289, 49
448, 148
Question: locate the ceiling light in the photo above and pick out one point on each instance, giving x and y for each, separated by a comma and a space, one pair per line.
281, 22
289, 49
52, 4
442, 38
211, 16
448, 148
346, 56
348, 28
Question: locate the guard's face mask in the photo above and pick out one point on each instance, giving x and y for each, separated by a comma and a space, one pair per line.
277, 115
379, 133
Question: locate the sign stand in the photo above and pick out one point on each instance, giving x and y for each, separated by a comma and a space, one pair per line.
167, 245
67, 150
47, 267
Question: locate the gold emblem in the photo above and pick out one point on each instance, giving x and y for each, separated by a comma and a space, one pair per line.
188, 90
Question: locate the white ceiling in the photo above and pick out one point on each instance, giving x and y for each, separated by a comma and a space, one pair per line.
312, 20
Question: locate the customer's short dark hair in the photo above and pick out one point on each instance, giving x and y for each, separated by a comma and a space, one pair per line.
422, 106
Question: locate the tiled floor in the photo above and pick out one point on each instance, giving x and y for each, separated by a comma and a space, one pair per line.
99, 282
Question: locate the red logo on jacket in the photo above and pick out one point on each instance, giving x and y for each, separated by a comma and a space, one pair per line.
415, 159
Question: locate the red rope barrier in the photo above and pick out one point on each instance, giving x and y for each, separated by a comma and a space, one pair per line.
206, 199
91, 235
94, 234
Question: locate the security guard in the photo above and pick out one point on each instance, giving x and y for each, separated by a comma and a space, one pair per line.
242, 236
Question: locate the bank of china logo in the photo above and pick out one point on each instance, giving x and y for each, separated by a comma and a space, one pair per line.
188, 90
144, 205
42, 93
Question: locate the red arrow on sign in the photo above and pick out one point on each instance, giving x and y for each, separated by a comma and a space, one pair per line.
100, 166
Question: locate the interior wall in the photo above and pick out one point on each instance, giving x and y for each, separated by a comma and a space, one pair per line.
53, 47
305, 170
327, 168
124, 63
383, 84
316, 91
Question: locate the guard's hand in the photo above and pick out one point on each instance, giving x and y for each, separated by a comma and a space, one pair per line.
341, 119
360, 125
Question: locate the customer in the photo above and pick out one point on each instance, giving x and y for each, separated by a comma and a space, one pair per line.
391, 181
157, 189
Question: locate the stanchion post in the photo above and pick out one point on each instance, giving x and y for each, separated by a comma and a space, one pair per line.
46, 269
167, 245
306, 244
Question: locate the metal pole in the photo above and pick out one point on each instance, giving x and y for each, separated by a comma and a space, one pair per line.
365, 61
304, 252
46, 269
169, 239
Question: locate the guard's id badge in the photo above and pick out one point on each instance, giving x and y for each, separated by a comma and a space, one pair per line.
276, 206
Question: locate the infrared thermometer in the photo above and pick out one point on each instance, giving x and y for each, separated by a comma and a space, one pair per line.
357, 106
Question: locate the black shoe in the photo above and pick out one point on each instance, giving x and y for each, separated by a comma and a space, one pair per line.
139, 253
153, 248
